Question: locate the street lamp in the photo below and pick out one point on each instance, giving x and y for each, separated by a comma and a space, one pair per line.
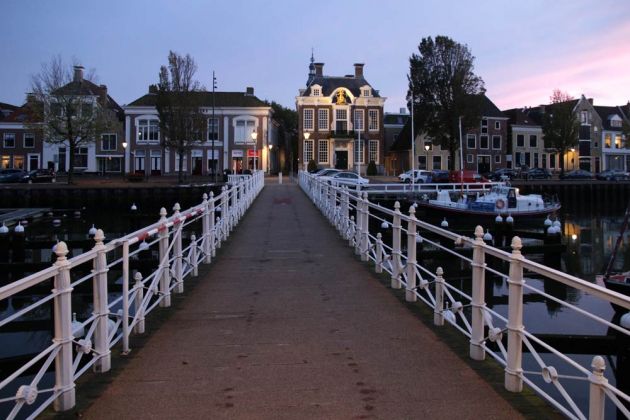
124, 159
427, 147
254, 137
269, 159
307, 135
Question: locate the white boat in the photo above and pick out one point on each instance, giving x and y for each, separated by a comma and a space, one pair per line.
501, 200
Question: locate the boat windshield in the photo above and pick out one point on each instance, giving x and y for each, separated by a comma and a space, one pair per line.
501, 190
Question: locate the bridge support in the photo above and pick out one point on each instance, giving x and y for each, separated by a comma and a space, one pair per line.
478, 304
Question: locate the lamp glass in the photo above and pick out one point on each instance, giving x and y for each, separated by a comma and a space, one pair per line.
307, 135
124, 144
254, 135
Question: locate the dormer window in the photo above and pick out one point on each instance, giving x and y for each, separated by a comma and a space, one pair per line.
615, 121
366, 92
317, 92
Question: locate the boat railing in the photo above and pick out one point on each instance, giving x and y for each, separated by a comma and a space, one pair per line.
394, 243
122, 296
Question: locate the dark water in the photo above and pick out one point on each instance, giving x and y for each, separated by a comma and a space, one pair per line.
585, 256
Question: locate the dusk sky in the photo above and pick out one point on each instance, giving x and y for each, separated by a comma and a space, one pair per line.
523, 50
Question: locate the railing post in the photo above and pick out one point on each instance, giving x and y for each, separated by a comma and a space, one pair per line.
365, 228
351, 231
597, 394
101, 308
378, 261
513, 367
218, 229
478, 304
125, 297
233, 208
410, 293
178, 231
345, 213
438, 311
165, 278
396, 255
64, 383
139, 327
211, 228
207, 230
193, 255
225, 215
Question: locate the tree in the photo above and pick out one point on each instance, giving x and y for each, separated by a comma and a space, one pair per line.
444, 88
67, 110
287, 135
560, 124
178, 102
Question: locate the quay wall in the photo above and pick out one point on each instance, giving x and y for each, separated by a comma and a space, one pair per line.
582, 195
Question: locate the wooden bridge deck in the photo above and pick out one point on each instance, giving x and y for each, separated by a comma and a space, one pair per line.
288, 323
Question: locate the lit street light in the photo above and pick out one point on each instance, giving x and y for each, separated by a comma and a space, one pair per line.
307, 135
124, 159
254, 137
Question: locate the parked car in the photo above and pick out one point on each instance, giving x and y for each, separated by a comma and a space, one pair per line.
466, 176
503, 174
327, 172
420, 177
350, 178
12, 175
613, 175
537, 173
577, 174
40, 175
439, 177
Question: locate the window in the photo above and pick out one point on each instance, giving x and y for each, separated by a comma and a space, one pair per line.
86, 110
483, 142
341, 120
497, 158
213, 129
108, 142
528, 160
308, 151
617, 141
139, 161
615, 123
322, 119
535, 160
358, 151
184, 160
437, 162
148, 130
317, 92
373, 151
156, 160
533, 140
517, 157
6, 161
422, 162
81, 157
243, 130
322, 151
584, 120
358, 119
469, 158
552, 160
365, 92
520, 140
18, 162
484, 126
29, 141
471, 141
607, 140
496, 142
497, 125
9, 140
308, 119
373, 119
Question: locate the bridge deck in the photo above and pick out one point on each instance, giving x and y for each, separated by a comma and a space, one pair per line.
289, 324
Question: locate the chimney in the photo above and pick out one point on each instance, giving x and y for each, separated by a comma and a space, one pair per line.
358, 70
78, 73
153, 89
319, 69
30, 97
103, 93
249, 91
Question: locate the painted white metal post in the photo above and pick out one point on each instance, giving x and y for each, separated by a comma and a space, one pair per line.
378, 261
139, 327
165, 278
64, 383
597, 394
233, 208
218, 233
101, 309
396, 255
438, 311
125, 298
206, 223
365, 228
351, 231
177, 249
410, 293
345, 212
478, 304
513, 367
193, 255
225, 214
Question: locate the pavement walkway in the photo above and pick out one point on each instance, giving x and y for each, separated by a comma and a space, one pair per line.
289, 324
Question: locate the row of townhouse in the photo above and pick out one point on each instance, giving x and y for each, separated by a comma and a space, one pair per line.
134, 144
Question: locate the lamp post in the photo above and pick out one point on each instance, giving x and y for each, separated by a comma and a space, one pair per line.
307, 135
427, 147
254, 137
269, 159
124, 159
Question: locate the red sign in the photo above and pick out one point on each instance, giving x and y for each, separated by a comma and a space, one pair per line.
252, 153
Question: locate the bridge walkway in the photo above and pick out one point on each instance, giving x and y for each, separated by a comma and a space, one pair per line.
288, 323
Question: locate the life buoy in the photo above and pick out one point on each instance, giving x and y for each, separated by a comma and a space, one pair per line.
500, 203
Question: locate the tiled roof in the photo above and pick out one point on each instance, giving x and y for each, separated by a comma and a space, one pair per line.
607, 111
330, 83
8, 106
222, 99
524, 116
489, 109
86, 88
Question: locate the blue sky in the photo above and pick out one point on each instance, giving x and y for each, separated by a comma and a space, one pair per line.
523, 50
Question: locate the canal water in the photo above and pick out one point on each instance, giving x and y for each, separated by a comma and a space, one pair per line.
589, 238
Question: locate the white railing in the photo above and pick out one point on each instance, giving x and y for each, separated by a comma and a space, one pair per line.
351, 213
430, 188
80, 345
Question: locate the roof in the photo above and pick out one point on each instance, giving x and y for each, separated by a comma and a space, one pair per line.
20, 114
84, 87
531, 117
222, 99
395, 119
330, 83
607, 111
489, 109
8, 106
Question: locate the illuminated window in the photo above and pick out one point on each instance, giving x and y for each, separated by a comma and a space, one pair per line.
322, 119
373, 119
608, 140
308, 151
373, 151
617, 141
308, 119
18, 162
322, 151
6, 161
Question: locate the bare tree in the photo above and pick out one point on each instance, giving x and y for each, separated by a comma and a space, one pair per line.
179, 101
69, 110
560, 124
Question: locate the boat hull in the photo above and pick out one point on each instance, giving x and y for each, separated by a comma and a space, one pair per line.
444, 209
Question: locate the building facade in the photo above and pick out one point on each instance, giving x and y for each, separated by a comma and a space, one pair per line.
227, 142
340, 121
615, 147
526, 142
20, 146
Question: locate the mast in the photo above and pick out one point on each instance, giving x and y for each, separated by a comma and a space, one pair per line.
624, 226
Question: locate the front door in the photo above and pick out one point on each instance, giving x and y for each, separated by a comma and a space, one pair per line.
341, 157
483, 164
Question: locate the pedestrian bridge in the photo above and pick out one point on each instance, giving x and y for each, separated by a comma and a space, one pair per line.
282, 313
